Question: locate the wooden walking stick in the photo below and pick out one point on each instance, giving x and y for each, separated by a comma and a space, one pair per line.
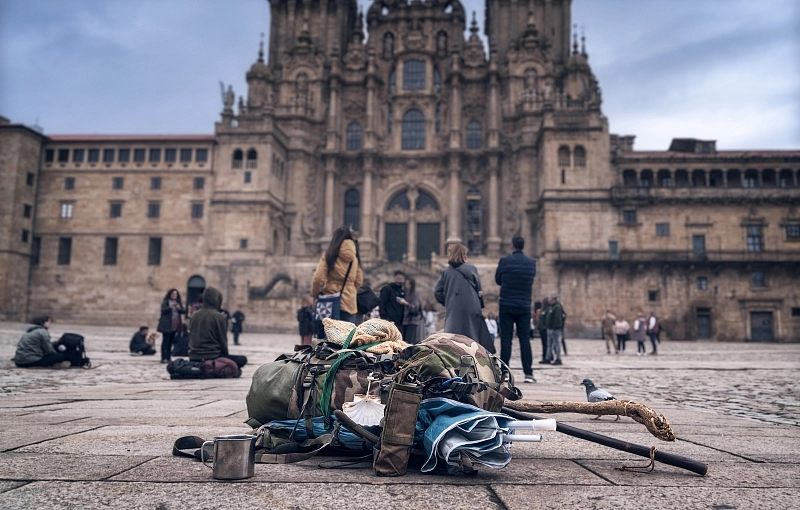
643, 451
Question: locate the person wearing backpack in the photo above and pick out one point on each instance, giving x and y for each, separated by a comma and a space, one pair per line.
35, 349
209, 332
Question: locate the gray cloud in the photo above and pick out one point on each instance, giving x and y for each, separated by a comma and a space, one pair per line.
722, 69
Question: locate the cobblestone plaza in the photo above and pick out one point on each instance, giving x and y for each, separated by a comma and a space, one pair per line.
101, 437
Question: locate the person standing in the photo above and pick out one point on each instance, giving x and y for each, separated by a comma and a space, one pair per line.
541, 327
515, 274
640, 334
236, 320
621, 329
35, 349
339, 270
170, 322
491, 325
608, 331
390, 307
209, 331
305, 320
555, 328
653, 328
458, 290
412, 312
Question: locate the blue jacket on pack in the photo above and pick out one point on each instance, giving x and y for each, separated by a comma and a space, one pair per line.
515, 275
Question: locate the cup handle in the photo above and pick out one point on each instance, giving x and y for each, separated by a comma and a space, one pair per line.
203, 455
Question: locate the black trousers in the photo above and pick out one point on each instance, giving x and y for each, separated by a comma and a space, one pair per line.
545, 355
166, 345
147, 351
621, 342
236, 334
47, 361
522, 318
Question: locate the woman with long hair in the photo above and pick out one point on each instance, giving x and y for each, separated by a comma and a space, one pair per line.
170, 322
412, 312
458, 289
339, 270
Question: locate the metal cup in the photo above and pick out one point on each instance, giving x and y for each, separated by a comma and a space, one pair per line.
234, 456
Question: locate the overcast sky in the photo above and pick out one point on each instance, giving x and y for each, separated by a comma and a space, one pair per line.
717, 69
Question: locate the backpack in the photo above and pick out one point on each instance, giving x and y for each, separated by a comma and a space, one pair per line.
184, 369
71, 344
293, 387
222, 367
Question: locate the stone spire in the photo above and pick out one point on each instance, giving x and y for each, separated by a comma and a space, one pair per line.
574, 39
473, 27
261, 49
358, 28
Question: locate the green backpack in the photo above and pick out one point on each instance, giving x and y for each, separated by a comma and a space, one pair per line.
313, 383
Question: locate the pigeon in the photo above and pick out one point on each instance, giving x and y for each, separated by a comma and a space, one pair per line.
595, 394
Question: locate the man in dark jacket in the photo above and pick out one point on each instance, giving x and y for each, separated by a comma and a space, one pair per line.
139, 345
209, 331
514, 275
391, 309
237, 319
555, 328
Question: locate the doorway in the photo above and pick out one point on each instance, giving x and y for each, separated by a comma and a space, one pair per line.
761, 329
703, 323
194, 290
427, 240
396, 241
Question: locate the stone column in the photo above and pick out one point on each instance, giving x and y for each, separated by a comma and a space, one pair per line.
413, 195
454, 225
330, 174
366, 241
494, 241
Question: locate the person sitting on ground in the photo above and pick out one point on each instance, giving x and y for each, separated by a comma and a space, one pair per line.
35, 349
141, 344
209, 331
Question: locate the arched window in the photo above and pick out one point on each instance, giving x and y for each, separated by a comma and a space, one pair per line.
580, 156
438, 118
441, 43
401, 202
413, 130
252, 159
563, 156
414, 75
425, 200
238, 157
751, 179
392, 81
352, 208
354, 137
389, 118
646, 178
664, 178
734, 178
388, 45
437, 80
474, 135
301, 85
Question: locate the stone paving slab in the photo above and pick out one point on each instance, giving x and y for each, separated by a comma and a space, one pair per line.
39, 466
245, 495
720, 474
7, 486
16, 437
521, 471
517, 497
150, 440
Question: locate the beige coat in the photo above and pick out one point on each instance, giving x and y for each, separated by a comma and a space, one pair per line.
330, 282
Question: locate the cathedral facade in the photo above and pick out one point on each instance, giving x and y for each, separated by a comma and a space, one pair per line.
395, 123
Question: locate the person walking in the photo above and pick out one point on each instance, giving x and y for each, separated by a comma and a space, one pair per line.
458, 290
515, 274
653, 329
339, 270
412, 312
209, 331
608, 331
35, 349
621, 329
170, 322
541, 327
555, 328
640, 334
236, 325
390, 307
